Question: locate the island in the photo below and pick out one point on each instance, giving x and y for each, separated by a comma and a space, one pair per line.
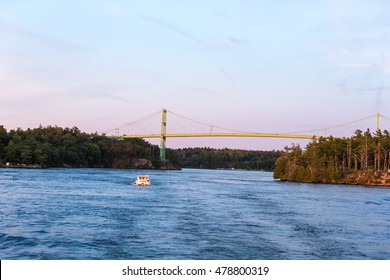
363, 159
54, 146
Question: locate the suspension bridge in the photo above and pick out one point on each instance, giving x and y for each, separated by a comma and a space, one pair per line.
155, 126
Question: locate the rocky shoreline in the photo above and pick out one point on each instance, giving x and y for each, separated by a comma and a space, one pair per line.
366, 178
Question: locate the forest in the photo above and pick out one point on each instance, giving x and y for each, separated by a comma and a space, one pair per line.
362, 159
210, 158
54, 146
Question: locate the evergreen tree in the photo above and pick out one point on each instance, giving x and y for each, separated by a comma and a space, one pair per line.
358, 159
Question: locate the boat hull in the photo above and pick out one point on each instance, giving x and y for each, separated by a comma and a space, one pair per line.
143, 181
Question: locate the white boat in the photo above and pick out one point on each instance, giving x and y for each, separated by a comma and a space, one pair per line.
142, 181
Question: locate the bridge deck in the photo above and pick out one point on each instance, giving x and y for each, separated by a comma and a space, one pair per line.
173, 135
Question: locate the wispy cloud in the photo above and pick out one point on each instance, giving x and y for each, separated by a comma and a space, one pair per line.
356, 35
110, 97
200, 90
236, 41
226, 74
377, 91
343, 85
356, 65
53, 42
171, 27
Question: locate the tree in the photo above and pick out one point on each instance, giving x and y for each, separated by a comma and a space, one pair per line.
331, 160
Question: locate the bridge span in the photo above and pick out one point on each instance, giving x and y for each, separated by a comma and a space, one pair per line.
163, 135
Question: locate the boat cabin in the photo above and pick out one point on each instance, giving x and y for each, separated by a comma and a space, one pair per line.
142, 181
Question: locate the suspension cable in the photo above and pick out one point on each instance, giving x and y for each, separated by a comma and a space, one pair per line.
387, 118
335, 126
133, 122
209, 125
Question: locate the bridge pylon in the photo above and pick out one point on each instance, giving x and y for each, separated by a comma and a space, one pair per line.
377, 121
163, 138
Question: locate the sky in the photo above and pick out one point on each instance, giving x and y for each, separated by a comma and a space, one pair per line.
258, 66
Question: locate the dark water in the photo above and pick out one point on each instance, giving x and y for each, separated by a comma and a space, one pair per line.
188, 214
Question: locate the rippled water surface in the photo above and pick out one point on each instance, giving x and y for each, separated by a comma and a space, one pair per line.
187, 214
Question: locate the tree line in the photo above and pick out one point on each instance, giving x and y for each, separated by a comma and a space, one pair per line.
362, 158
210, 158
53, 146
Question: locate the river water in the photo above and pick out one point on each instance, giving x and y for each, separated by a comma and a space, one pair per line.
187, 214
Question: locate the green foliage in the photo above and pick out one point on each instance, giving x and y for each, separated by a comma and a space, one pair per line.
57, 147
333, 160
228, 159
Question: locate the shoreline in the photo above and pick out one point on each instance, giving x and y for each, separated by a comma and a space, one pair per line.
23, 166
367, 178
79, 167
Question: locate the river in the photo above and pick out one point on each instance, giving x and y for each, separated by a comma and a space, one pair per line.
188, 214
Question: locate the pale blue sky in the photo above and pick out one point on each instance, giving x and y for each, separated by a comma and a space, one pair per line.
263, 66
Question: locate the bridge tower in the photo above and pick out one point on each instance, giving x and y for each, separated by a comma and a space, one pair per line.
163, 138
377, 121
